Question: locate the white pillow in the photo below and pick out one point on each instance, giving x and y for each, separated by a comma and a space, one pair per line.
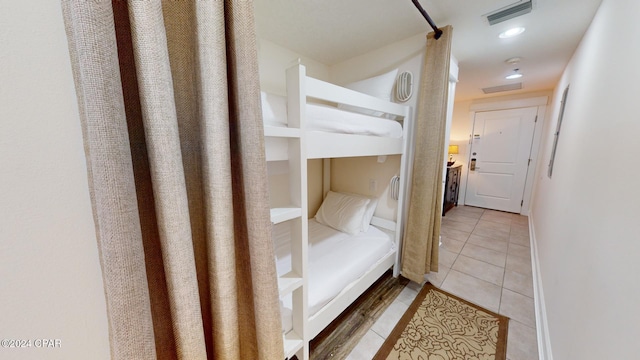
343, 212
368, 213
379, 86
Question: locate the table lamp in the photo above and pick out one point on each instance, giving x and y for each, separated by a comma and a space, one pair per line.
453, 149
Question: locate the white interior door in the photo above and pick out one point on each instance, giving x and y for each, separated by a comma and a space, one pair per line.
500, 148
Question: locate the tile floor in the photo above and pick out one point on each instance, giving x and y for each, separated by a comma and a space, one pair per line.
484, 258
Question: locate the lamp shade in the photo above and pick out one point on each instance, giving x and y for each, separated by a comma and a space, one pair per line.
453, 149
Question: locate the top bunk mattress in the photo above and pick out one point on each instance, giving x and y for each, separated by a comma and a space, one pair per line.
336, 259
329, 119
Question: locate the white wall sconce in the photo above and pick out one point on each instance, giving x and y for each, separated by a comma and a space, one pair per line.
404, 86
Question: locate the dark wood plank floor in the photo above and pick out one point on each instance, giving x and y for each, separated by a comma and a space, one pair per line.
338, 339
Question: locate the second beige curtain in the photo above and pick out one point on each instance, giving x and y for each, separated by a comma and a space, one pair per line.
422, 233
169, 98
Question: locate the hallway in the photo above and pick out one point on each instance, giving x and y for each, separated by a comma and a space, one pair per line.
485, 258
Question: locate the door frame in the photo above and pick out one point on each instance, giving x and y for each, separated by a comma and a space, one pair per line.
541, 103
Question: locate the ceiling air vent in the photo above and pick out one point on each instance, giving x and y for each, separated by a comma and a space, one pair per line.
495, 89
509, 13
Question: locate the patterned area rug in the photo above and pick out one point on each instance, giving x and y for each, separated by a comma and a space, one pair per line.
441, 326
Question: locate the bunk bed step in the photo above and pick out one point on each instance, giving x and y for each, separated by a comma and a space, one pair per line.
289, 282
292, 343
283, 214
279, 131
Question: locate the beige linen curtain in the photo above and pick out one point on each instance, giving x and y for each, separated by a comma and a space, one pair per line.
169, 101
422, 233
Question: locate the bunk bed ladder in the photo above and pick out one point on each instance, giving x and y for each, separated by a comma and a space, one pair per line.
295, 215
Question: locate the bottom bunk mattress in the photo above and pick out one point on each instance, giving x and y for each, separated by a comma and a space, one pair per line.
335, 260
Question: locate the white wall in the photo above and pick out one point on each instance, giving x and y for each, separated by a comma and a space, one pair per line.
401, 55
51, 282
274, 60
585, 218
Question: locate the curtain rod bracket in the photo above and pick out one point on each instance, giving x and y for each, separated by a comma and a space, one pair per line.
428, 18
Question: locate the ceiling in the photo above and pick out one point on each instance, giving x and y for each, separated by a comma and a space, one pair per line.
331, 31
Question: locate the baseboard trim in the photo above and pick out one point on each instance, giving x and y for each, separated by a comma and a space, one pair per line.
542, 327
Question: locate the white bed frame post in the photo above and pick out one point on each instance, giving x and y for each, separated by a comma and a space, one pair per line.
404, 161
296, 103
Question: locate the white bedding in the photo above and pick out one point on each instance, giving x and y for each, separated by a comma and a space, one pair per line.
335, 260
330, 119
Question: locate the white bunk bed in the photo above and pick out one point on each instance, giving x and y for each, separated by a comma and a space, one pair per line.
303, 136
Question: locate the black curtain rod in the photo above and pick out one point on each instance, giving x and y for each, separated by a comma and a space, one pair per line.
426, 16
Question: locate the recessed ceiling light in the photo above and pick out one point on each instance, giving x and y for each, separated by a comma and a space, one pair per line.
511, 32
515, 75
